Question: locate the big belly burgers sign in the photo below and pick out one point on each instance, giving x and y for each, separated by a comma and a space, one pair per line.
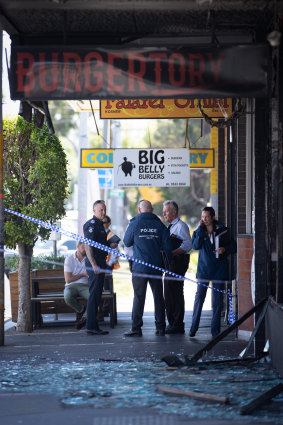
151, 167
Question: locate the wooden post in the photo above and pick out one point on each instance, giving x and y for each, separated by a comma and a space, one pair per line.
222, 335
199, 396
259, 401
260, 319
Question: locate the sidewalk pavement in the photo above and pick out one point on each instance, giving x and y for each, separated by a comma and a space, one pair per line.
58, 375
115, 345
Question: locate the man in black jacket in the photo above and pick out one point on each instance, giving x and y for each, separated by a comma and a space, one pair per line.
148, 236
96, 260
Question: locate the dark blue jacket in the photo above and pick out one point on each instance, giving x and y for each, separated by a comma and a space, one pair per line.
148, 235
209, 267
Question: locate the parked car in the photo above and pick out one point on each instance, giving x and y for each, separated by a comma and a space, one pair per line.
9, 252
66, 247
43, 248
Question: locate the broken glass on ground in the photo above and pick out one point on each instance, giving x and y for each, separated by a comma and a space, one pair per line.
134, 383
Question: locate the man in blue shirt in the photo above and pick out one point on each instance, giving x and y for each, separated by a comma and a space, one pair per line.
174, 289
148, 236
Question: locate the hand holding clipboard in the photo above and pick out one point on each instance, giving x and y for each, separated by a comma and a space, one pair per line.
222, 238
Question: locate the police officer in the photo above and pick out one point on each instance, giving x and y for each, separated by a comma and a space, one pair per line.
96, 260
148, 235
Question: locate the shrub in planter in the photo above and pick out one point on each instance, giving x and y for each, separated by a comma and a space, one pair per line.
45, 262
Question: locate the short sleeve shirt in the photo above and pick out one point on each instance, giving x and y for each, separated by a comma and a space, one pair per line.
75, 266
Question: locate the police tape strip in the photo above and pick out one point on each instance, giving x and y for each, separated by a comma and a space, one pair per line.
120, 254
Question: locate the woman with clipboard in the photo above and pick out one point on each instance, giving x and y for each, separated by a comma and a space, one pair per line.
214, 243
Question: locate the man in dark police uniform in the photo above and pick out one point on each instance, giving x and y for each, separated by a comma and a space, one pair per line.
96, 260
148, 236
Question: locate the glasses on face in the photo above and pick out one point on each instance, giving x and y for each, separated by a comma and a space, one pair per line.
106, 222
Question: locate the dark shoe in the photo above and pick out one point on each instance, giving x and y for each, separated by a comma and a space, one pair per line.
192, 334
81, 323
173, 330
131, 332
168, 328
80, 315
97, 332
159, 332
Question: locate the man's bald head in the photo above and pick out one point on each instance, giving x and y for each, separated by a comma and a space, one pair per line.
145, 206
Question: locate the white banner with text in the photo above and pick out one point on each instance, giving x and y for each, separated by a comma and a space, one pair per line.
151, 167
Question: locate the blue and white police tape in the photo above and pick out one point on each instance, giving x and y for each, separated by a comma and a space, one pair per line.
231, 314
112, 251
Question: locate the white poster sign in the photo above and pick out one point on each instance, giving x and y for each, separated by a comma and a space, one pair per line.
151, 167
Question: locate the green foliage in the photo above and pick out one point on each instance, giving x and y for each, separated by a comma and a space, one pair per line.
170, 133
66, 124
42, 262
35, 180
193, 262
64, 117
189, 199
133, 196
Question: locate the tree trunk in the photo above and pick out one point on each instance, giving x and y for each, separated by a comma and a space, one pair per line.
24, 310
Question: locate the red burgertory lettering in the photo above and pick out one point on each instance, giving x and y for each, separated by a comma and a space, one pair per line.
69, 72
48, 71
215, 65
196, 73
136, 75
25, 74
157, 68
113, 72
173, 68
93, 60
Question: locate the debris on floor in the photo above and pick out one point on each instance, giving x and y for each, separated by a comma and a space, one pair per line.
128, 384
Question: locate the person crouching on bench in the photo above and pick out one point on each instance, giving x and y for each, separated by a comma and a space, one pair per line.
76, 283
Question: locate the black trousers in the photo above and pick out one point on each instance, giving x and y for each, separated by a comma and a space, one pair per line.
174, 293
140, 286
108, 286
95, 290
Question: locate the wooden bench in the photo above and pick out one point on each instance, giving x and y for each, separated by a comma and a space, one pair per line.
48, 296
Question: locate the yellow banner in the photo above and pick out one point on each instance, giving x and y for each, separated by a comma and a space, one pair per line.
164, 108
202, 158
96, 158
103, 158
214, 172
